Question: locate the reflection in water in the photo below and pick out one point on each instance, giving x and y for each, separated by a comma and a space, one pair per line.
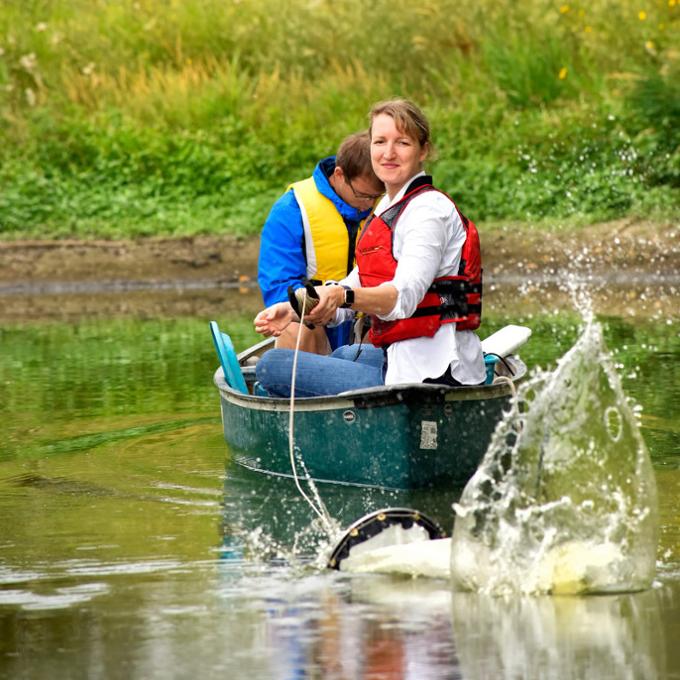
372, 626
559, 637
265, 517
337, 629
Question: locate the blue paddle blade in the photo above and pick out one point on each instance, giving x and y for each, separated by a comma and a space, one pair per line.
227, 355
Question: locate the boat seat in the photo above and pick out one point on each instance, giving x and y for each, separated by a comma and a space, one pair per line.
227, 356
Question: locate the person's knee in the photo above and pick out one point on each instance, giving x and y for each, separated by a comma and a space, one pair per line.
361, 354
270, 371
346, 352
270, 364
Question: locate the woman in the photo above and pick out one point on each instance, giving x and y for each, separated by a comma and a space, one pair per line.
408, 278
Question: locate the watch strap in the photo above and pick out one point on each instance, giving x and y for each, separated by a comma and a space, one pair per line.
349, 297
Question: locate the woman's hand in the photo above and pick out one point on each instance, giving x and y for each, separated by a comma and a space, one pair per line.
330, 298
379, 300
275, 319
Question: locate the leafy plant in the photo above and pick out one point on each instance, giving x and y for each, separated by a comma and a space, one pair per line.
132, 118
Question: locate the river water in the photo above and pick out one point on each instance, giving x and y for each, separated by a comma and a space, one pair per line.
130, 547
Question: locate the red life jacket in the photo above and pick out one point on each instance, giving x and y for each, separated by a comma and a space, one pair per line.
449, 299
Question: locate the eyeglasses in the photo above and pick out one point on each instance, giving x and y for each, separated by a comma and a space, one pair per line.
360, 194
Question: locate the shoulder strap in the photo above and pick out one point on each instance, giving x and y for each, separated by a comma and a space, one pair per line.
423, 180
417, 186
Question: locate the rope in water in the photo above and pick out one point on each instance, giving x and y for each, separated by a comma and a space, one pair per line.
319, 509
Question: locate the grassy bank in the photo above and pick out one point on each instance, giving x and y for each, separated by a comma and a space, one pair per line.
122, 118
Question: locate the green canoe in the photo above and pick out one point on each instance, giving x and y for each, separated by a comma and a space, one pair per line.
399, 437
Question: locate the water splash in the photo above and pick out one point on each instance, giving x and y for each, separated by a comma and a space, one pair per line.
267, 521
565, 498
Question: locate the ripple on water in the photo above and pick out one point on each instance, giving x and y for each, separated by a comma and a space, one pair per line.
9, 575
92, 568
60, 598
216, 492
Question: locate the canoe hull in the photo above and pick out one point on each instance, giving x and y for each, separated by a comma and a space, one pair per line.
410, 437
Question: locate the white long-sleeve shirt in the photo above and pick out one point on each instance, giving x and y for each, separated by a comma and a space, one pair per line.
427, 243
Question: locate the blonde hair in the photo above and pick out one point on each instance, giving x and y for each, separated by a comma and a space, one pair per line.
407, 117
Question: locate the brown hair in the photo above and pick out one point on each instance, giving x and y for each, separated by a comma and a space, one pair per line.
408, 118
354, 157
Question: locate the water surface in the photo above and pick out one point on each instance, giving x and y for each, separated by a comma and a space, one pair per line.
131, 547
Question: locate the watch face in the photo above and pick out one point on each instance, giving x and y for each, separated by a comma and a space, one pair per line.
349, 296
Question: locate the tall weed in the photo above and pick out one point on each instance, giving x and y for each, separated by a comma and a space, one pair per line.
182, 116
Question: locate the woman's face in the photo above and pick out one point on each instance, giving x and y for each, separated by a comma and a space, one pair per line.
395, 155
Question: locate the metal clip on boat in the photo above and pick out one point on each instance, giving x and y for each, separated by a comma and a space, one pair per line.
301, 303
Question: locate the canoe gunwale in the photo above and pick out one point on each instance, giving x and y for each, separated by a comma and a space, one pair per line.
372, 397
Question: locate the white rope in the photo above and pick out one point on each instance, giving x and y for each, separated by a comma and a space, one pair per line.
320, 510
505, 379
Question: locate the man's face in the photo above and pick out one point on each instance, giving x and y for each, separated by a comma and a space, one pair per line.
361, 192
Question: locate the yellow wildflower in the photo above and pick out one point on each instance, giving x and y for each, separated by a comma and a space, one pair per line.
564, 9
650, 45
672, 3
563, 73
642, 15
588, 29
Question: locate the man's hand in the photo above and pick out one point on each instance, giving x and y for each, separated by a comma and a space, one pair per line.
275, 319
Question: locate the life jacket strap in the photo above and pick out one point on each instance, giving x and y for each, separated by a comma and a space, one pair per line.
448, 310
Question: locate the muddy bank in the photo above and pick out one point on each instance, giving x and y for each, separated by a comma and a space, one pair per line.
611, 247
198, 260
204, 274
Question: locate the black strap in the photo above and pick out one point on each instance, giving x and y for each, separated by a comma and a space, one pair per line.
502, 359
390, 216
292, 298
423, 180
454, 287
448, 310
352, 231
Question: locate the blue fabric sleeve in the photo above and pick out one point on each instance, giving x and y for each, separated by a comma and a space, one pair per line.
282, 260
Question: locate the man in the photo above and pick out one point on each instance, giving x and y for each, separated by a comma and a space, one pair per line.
311, 232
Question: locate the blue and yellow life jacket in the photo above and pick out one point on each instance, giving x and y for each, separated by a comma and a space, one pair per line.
329, 243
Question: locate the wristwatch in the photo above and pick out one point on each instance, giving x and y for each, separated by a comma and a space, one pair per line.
349, 298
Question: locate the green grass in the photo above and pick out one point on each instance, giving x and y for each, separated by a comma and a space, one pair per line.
122, 118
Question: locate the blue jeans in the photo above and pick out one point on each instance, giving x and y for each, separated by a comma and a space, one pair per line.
318, 375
